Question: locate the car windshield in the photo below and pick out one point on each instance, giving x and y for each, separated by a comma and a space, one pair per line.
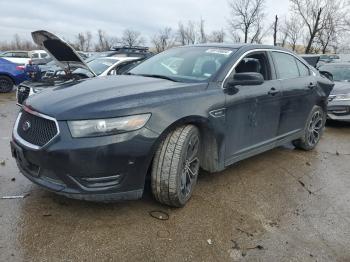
98, 65
339, 72
185, 64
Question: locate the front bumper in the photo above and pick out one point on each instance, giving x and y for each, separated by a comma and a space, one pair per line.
339, 110
99, 169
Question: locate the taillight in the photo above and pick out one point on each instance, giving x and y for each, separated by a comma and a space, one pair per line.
20, 68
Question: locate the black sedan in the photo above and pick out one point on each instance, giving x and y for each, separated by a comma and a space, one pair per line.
339, 100
205, 106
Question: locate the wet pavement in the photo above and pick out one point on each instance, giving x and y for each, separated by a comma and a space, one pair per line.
283, 205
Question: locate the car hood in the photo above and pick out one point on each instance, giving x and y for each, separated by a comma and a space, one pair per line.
63, 54
341, 88
110, 96
50, 83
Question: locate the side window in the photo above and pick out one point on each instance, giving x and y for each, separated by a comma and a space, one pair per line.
43, 55
303, 69
35, 55
286, 65
255, 63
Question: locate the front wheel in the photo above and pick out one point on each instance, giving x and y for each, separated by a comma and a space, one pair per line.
175, 166
6, 84
313, 130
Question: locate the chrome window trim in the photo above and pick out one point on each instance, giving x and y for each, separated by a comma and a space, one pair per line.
26, 143
263, 50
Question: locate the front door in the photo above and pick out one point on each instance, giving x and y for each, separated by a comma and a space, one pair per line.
252, 113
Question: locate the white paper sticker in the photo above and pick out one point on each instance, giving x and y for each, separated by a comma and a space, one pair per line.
219, 51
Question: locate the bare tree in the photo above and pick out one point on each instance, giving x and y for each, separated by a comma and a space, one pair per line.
187, 33
88, 37
17, 41
320, 16
259, 31
163, 40
282, 35
202, 34
246, 17
132, 38
81, 42
275, 29
217, 36
18, 44
102, 41
293, 29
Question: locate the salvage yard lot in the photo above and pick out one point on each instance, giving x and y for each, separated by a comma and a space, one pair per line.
279, 205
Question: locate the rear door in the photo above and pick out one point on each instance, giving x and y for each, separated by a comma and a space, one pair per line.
298, 87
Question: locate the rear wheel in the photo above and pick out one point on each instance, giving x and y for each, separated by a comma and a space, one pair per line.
6, 84
313, 130
175, 166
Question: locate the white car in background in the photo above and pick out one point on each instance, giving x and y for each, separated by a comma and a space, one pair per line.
23, 57
114, 65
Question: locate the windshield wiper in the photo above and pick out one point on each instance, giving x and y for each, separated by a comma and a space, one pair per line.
158, 76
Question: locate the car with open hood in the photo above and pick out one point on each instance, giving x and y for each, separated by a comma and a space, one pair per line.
69, 66
202, 106
339, 99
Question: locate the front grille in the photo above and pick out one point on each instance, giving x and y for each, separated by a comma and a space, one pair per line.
22, 93
36, 130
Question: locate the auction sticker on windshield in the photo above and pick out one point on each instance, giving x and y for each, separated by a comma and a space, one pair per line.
219, 51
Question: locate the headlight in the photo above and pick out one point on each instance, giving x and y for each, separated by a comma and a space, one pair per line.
109, 126
342, 97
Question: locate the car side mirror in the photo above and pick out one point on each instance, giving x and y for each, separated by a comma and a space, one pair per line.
327, 75
245, 79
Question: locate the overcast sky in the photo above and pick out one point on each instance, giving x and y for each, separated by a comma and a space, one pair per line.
66, 18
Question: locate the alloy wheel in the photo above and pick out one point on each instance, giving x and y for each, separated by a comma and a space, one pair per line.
190, 167
5, 84
315, 128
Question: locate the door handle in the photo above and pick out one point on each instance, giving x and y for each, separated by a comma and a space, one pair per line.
273, 91
311, 85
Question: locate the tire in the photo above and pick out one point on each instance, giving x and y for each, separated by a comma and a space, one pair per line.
175, 166
6, 84
313, 130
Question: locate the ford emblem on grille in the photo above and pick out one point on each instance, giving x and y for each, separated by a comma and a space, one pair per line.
26, 126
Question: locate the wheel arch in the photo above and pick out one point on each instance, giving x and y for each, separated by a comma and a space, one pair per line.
210, 156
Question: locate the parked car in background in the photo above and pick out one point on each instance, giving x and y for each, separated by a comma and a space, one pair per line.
19, 57
205, 106
335, 58
11, 74
339, 99
23, 57
312, 60
38, 54
69, 67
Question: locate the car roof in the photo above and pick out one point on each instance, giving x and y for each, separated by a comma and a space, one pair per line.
239, 46
119, 58
15, 51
